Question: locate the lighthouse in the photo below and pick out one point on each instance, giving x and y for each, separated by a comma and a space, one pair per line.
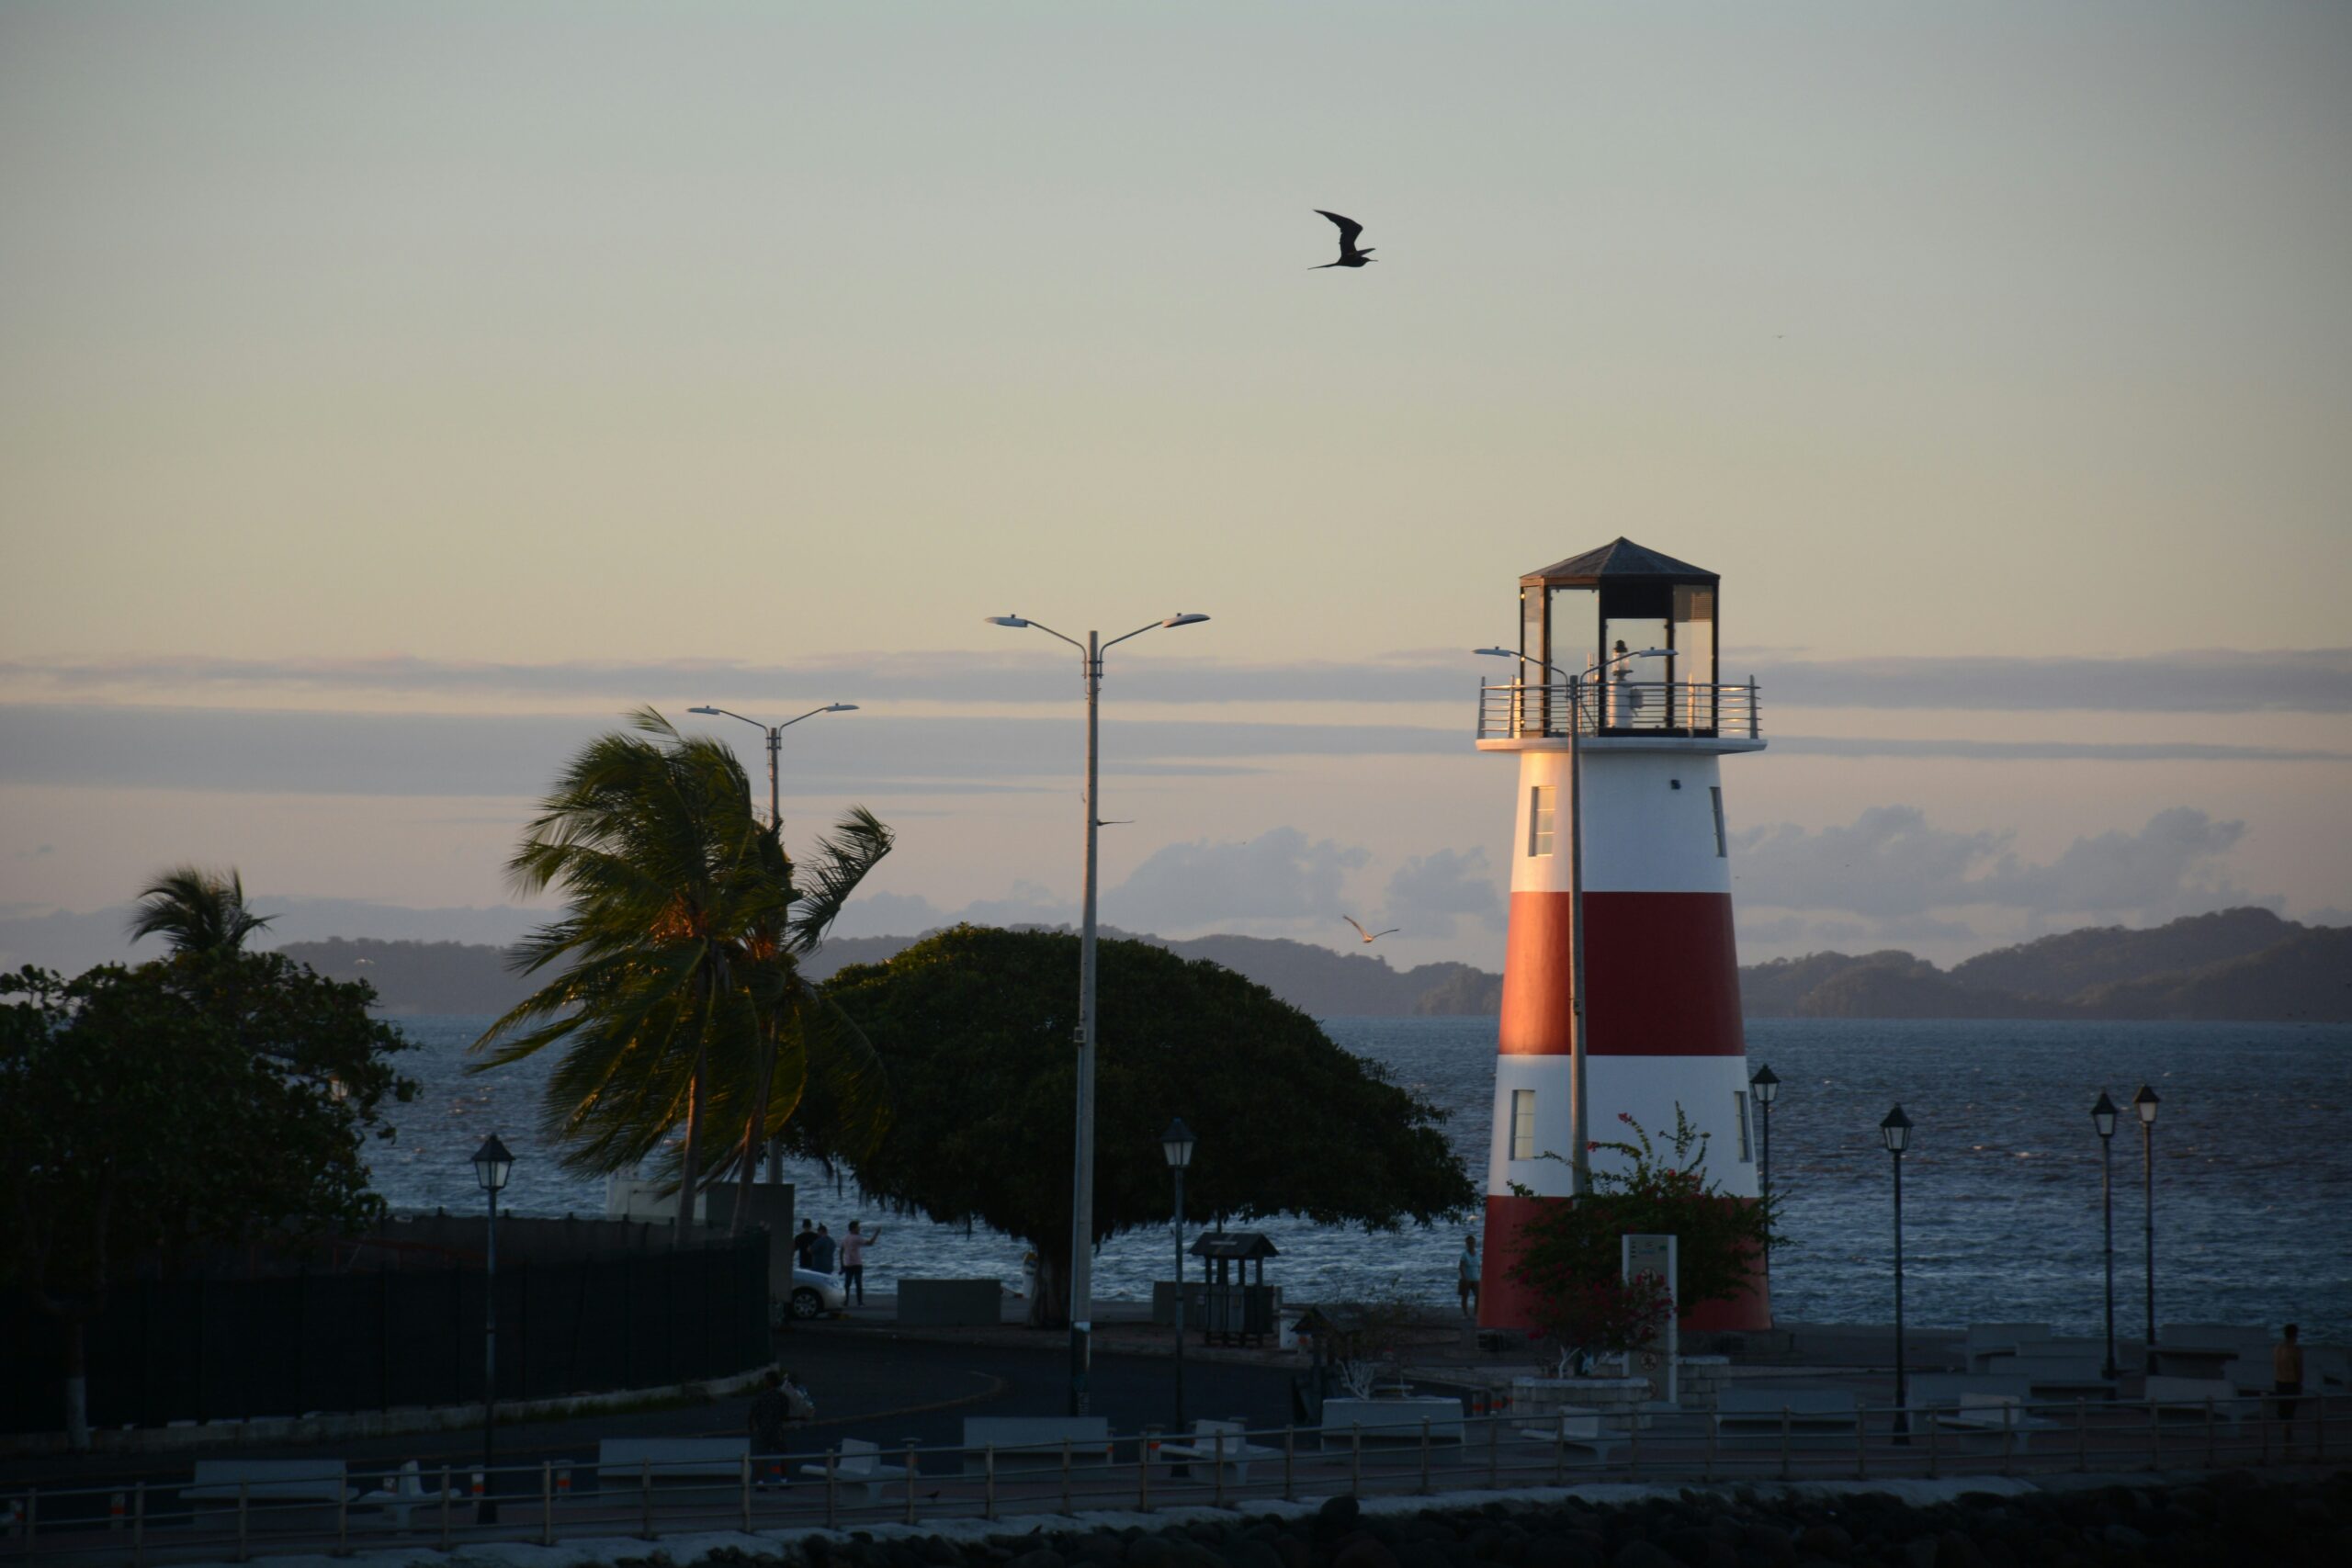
1619, 718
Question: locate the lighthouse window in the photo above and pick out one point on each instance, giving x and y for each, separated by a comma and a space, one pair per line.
1739, 1114
1716, 793
1522, 1124
1538, 821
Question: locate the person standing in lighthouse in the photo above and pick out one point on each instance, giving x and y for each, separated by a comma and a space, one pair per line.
1621, 982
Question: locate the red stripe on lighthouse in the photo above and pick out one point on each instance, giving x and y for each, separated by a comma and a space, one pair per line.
1661, 972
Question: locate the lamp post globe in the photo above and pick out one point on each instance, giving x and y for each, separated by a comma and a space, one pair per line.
1765, 1086
493, 1163
1176, 1146
2144, 1103
2103, 1120
1896, 1132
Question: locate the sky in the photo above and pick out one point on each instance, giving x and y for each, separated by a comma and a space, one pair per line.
393, 396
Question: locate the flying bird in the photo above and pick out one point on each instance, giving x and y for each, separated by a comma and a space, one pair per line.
1349, 255
1369, 936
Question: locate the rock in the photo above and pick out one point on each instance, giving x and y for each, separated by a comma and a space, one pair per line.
1151, 1551
1040, 1558
1250, 1553
1639, 1553
1564, 1549
1359, 1550
1338, 1515
2124, 1538
1826, 1540
1771, 1542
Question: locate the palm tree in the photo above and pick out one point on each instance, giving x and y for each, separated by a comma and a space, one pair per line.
197, 911
792, 1017
652, 838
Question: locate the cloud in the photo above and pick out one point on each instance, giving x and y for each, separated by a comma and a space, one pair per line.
1276, 878
1891, 865
2049, 751
2196, 680
1428, 893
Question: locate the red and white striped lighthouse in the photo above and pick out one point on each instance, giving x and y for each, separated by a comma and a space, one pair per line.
1618, 717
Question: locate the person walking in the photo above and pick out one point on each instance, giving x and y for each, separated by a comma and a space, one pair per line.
1465, 1270
802, 1243
853, 1247
2286, 1378
771, 1412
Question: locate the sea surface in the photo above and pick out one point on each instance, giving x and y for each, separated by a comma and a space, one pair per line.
2000, 1194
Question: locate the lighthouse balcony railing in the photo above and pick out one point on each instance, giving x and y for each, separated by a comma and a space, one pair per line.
1520, 710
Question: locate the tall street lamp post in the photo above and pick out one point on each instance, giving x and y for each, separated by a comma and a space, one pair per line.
1895, 1131
1177, 1145
1081, 1216
492, 1166
1579, 1133
774, 732
1766, 1089
2103, 1118
2144, 1103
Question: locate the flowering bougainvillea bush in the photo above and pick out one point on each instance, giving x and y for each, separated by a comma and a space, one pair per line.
1569, 1256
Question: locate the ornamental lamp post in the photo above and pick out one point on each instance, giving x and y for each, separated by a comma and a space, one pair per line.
1766, 1087
1081, 1214
493, 1165
1896, 1132
1177, 1145
2144, 1103
2103, 1119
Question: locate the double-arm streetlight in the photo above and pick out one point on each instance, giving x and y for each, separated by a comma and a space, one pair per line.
1766, 1089
2144, 1103
774, 733
1177, 1145
1579, 1134
1081, 1218
493, 1165
1896, 1132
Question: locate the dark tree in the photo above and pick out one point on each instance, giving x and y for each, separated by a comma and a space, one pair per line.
149, 1114
974, 1027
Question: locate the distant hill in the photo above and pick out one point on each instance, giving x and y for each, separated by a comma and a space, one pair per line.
2239, 963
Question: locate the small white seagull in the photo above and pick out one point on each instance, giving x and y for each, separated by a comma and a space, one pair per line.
1370, 936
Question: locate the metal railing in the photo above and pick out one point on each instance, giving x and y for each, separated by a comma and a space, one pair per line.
1519, 710
157, 1520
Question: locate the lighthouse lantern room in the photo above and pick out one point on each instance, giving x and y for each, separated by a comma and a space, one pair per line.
1621, 982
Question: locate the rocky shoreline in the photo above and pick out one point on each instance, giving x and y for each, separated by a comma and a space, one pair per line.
2230, 1517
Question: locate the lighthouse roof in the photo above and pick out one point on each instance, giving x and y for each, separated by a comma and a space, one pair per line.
1619, 561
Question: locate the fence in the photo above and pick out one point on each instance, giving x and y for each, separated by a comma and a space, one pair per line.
239, 1349
551, 1501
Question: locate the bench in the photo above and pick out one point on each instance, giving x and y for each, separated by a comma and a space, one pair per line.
1932, 1390
269, 1480
1813, 1414
1224, 1443
1986, 1341
2176, 1396
1035, 1442
1577, 1428
859, 1463
402, 1494
633, 1461
1992, 1415
2061, 1374
1402, 1419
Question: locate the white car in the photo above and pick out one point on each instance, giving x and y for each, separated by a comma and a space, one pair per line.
816, 1295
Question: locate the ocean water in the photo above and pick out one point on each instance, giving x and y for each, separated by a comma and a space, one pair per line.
2000, 1191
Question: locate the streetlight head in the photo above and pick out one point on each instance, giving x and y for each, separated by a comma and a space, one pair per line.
1495, 652
702, 710
1177, 1145
2144, 1103
842, 707
1897, 1131
1765, 1085
1013, 621
2103, 1115
1183, 620
492, 1164
1654, 653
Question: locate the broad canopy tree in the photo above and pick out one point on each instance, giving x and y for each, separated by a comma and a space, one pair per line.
151, 1114
974, 1026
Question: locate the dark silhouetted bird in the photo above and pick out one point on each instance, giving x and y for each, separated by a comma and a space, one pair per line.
1350, 255
1370, 936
